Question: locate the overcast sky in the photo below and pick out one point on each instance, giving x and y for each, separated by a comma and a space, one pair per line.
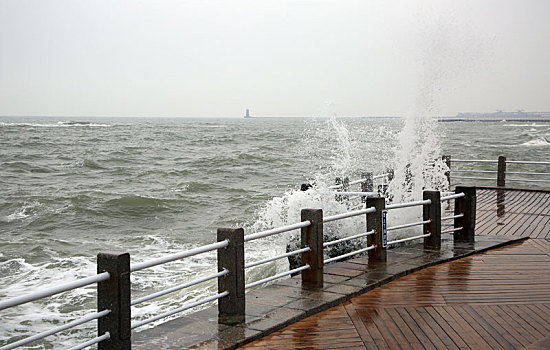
278, 58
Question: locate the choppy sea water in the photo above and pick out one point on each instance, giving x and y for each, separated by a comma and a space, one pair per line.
71, 188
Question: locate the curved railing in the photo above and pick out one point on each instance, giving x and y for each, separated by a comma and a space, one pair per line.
500, 175
113, 281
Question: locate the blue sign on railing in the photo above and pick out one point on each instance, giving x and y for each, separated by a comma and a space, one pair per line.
384, 229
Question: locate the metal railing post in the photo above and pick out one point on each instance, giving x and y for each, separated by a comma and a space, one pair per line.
231, 308
114, 294
374, 222
368, 184
501, 176
312, 236
447, 160
432, 212
467, 206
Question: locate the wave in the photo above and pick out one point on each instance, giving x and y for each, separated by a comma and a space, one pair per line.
541, 141
63, 124
526, 125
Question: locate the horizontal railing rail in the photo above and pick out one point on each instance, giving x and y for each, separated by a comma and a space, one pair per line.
48, 292
501, 172
275, 231
113, 279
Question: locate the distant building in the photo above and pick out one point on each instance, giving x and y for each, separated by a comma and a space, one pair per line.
247, 115
499, 115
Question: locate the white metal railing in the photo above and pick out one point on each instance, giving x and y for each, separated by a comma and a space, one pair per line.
181, 309
452, 217
473, 160
526, 173
277, 276
360, 194
280, 256
212, 247
54, 290
408, 239
275, 231
52, 331
354, 182
174, 257
349, 254
397, 227
452, 230
91, 342
180, 287
100, 278
408, 204
501, 177
178, 256
452, 196
527, 162
474, 178
348, 214
365, 234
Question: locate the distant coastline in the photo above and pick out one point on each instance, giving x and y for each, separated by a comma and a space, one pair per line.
519, 116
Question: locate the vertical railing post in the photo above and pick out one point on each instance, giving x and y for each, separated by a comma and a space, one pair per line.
312, 237
368, 184
447, 160
501, 175
467, 206
114, 294
338, 181
232, 307
432, 212
374, 222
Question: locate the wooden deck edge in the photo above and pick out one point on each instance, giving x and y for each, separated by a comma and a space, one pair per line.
368, 288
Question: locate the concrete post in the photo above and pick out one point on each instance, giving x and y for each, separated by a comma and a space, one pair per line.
114, 294
501, 176
447, 160
312, 236
374, 222
368, 184
432, 212
467, 206
231, 308
338, 181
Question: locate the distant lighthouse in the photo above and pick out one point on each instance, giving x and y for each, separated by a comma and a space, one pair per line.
247, 115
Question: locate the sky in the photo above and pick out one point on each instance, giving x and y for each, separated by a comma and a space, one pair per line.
277, 58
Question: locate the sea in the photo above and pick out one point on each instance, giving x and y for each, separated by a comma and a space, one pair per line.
73, 187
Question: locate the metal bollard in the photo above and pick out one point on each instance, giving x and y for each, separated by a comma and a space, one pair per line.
501, 175
114, 294
231, 309
374, 222
312, 236
432, 212
467, 206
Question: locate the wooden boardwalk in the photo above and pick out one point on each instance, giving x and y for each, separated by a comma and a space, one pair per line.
496, 300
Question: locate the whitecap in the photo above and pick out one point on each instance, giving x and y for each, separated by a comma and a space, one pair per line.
541, 141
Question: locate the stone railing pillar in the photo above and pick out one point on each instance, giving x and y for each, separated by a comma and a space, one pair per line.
467, 206
231, 308
501, 175
432, 212
312, 236
114, 294
374, 222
